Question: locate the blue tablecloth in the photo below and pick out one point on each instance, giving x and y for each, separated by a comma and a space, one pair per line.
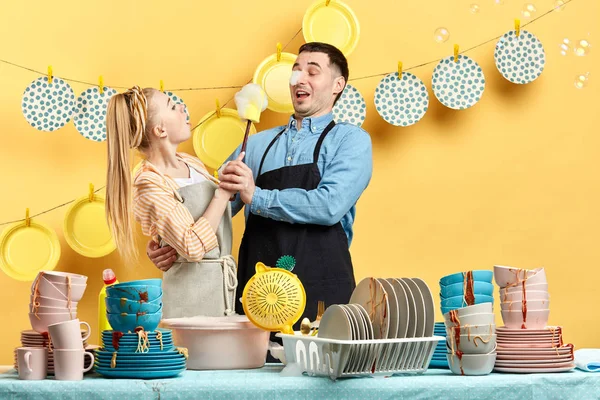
266, 383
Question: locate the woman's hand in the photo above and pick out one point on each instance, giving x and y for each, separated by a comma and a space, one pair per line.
162, 257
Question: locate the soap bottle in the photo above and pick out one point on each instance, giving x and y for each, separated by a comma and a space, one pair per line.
109, 279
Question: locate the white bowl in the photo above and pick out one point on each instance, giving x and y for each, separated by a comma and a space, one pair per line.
61, 277
59, 291
41, 322
529, 295
472, 364
473, 319
535, 319
51, 310
472, 344
277, 351
468, 329
510, 276
532, 305
475, 309
50, 302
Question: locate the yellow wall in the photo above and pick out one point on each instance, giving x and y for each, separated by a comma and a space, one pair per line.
511, 181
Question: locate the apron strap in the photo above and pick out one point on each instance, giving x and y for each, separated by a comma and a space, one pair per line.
320, 141
229, 283
262, 161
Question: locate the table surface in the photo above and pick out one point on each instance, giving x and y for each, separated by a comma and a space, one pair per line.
267, 383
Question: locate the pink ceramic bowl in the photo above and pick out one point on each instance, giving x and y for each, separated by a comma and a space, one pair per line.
535, 319
41, 322
59, 290
532, 305
529, 295
538, 287
51, 310
505, 276
50, 302
61, 277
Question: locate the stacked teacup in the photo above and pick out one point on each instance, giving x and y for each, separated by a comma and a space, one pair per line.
54, 297
69, 352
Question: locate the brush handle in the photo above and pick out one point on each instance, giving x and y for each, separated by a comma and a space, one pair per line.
244, 143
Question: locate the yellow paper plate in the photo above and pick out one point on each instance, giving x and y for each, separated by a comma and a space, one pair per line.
27, 250
217, 137
274, 77
335, 24
85, 228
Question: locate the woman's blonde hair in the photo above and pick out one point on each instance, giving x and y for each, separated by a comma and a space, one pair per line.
128, 124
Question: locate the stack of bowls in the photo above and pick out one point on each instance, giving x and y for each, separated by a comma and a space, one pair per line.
524, 298
134, 304
452, 289
54, 298
471, 339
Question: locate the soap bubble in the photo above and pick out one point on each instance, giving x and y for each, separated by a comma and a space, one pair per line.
559, 5
565, 47
581, 80
498, 2
582, 48
441, 35
528, 10
474, 8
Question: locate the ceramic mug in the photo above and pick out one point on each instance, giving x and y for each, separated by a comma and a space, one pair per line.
69, 364
67, 334
32, 362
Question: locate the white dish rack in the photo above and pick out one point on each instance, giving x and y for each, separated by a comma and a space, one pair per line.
350, 358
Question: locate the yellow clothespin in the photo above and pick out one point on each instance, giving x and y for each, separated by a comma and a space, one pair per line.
101, 84
91, 194
27, 220
216, 174
278, 52
218, 108
327, 2
518, 27
455, 53
50, 74
399, 70
162, 86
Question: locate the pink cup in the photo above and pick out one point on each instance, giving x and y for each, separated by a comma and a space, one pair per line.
32, 363
69, 364
67, 335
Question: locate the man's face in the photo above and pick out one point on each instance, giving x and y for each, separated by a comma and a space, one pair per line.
316, 84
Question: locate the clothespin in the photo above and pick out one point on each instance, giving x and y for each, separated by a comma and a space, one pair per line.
399, 70
455, 53
91, 194
518, 27
216, 174
327, 2
218, 108
162, 86
27, 220
50, 74
278, 52
101, 84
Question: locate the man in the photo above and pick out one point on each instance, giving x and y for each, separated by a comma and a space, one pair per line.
300, 183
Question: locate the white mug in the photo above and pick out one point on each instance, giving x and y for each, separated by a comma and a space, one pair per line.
67, 334
69, 364
32, 362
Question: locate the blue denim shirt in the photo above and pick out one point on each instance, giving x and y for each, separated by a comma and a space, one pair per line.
345, 163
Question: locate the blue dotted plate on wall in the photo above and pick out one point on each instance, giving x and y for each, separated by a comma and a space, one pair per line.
48, 106
178, 100
401, 102
520, 59
90, 113
351, 107
458, 85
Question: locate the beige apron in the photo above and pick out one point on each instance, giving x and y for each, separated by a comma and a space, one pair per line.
207, 287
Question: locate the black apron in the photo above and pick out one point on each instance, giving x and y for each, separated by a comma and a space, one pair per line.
323, 262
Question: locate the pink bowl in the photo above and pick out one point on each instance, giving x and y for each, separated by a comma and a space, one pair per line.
532, 305
41, 325
505, 276
535, 319
52, 310
61, 277
59, 290
539, 287
529, 295
50, 302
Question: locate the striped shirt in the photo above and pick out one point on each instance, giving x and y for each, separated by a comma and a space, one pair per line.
162, 215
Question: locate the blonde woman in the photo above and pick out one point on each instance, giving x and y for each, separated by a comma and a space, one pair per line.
174, 198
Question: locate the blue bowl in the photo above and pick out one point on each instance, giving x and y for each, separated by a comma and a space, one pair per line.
142, 282
145, 293
128, 322
458, 301
479, 275
118, 306
457, 289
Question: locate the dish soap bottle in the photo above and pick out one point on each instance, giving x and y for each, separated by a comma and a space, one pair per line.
109, 278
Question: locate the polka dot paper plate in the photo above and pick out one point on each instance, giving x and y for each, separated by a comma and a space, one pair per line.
401, 102
90, 113
520, 59
48, 106
458, 85
351, 107
178, 100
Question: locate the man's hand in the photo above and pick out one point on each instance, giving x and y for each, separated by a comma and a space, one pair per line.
237, 177
162, 257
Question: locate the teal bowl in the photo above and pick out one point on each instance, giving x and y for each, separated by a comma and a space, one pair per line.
118, 306
457, 289
147, 293
128, 322
141, 282
479, 275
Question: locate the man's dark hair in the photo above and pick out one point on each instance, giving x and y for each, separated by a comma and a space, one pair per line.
336, 59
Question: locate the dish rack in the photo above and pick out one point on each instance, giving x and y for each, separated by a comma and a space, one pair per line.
352, 358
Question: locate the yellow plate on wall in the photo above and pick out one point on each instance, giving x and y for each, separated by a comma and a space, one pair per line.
27, 250
335, 24
274, 77
217, 137
85, 228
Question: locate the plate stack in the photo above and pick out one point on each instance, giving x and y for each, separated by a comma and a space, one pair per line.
31, 338
141, 355
439, 359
